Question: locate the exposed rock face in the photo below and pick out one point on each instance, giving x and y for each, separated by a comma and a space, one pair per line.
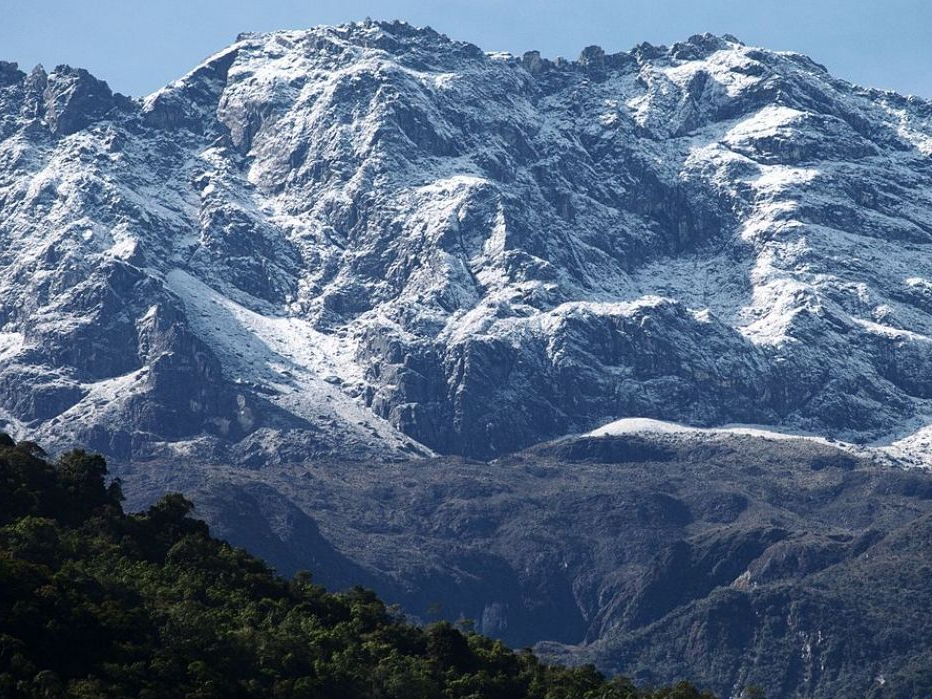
374, 237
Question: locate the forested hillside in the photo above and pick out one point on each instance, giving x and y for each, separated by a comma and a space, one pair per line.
98, 603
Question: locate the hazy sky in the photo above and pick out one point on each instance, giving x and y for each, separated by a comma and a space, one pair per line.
139, 46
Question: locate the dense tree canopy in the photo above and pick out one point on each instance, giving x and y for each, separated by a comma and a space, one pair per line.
98, 603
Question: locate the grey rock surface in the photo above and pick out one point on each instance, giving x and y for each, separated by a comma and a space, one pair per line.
372, 236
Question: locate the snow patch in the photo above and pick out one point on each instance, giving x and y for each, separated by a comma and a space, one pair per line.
296, 366
11, 344
642, 425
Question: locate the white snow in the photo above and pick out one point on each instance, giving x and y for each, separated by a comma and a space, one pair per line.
912, 450
771, 120
913, 446
11, 343
641, 425
300, 368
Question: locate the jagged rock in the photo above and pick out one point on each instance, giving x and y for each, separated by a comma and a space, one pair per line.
74, 99
402, 242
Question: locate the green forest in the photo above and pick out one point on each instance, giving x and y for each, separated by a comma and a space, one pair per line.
95, 602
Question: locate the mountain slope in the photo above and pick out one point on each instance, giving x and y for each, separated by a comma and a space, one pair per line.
735, 559
373, 239
98, 603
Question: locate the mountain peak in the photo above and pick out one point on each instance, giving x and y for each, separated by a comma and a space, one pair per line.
10, 73
373, 235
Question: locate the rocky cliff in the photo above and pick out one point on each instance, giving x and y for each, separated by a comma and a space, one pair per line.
373, 239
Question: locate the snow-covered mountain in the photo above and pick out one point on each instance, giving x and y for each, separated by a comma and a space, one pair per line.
373, 239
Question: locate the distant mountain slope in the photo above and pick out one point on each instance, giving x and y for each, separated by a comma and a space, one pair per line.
371, 239
732, 559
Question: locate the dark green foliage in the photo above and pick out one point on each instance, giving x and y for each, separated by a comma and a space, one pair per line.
97, 603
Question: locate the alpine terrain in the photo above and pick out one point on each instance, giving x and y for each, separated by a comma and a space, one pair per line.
489, 333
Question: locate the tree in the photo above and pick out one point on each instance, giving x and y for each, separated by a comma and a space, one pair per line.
82, 477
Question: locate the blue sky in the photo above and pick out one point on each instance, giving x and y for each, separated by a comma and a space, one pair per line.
139, 46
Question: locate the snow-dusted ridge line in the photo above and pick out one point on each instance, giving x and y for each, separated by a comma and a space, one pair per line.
371, 237
911, 451
635, 425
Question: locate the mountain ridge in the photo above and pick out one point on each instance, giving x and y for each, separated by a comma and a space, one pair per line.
460, 229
